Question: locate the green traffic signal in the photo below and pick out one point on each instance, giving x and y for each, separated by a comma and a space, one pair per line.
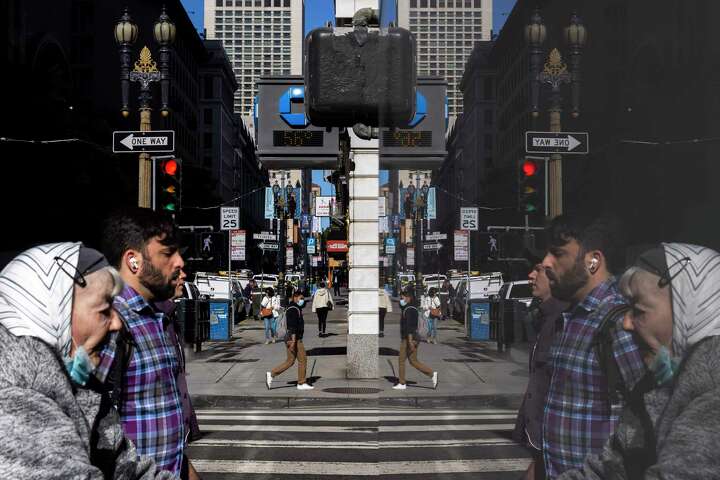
169, 207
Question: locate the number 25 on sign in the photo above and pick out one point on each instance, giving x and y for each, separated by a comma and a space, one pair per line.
469, 218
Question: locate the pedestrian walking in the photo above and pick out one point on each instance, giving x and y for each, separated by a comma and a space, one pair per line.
336, 283
269, 312
545, 312
431, 310
669, 427
321, 305
143, 245
385, 306
57, 418
248, 294
409, 340
294, 342
579, 414
447, 294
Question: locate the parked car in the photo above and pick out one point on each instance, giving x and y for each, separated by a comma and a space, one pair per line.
433, 280
264, 280
482, 287
514, 300
403, 280
215, 286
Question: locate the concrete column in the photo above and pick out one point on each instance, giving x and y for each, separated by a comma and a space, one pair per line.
362, 346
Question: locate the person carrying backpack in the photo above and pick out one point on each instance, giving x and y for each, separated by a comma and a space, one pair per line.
295, 348
269, 311
410, 340
322, 304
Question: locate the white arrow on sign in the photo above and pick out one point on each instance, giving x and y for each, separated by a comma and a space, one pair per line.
569, 143
131, 141
432, 246
269, 246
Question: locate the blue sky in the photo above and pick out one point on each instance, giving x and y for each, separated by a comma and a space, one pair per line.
195, 11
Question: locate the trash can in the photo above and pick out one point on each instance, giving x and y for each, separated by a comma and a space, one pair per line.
478, 318
220, 324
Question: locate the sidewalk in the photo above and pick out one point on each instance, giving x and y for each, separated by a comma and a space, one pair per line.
232, 374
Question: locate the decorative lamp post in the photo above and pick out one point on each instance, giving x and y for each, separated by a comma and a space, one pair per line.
555, 74
145, 72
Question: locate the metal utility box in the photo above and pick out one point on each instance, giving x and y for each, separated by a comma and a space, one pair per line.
220, 324
360, 77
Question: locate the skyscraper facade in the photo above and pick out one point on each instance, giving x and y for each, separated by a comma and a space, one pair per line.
446, 32
261, 37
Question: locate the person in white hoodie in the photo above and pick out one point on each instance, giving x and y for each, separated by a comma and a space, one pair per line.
269, 311
431, 309
322, 303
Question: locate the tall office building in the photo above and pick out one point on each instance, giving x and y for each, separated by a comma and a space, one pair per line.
446, 32
261, 37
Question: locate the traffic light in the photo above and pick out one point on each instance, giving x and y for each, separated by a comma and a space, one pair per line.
531, 187
168, 185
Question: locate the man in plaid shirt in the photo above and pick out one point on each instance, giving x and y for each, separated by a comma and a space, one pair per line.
143, 245
579, 416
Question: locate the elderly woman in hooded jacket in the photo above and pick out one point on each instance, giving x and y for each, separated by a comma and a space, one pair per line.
55, 414
670, 428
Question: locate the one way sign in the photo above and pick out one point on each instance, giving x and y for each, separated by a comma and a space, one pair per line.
557, 142
154, 141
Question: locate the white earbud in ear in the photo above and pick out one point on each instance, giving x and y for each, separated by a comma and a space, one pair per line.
134, 264
593, 264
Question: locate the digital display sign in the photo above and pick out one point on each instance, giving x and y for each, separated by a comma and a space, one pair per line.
407, 138
298, 138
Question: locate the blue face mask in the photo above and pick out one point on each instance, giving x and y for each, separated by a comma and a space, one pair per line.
663, 366
403, 303
80, 366
301, 302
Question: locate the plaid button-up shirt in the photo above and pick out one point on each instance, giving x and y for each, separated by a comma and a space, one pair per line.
578, 419
151, 408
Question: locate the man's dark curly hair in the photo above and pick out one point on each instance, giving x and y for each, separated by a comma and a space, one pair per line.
601, 232
134, 228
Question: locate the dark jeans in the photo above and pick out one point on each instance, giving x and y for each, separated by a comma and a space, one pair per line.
383, 311
322, 314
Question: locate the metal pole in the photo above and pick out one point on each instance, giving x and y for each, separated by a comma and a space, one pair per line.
230, 292
467, 293
144, 164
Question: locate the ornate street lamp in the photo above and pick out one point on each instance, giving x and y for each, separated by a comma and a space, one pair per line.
164, 33
126, 33
535, 35
576, 37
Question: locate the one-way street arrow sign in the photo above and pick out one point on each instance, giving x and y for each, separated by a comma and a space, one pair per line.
269, 246
154, 141
576, 143
432, 246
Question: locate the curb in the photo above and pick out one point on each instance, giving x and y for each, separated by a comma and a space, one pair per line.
245, 402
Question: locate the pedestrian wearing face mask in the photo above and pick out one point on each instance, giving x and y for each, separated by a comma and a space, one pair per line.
409, 340
669, 428
56, 415
294, 343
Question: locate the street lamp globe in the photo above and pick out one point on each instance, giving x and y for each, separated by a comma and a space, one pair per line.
126, 31
164, 30
535, 31
288, 189
276, 188
575, 33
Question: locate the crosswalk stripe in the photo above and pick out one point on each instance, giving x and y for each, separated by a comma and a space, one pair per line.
361, 468
350, 428
340, 411
367, 419
210, 442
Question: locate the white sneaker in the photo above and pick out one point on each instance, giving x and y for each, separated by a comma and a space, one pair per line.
267, 342
400, 386
435, 379
273, 340
268, 379
304, 386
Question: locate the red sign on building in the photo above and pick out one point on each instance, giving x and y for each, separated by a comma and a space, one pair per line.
337, 246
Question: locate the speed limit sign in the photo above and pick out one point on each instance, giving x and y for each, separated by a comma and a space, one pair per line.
229, 218
469, 218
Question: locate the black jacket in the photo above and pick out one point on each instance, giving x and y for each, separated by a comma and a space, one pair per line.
530, 417
408, 322
295, 321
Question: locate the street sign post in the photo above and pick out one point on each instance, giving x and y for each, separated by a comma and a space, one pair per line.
264, 236
230, 220
469, 218
574, 143
436, 236
153, 141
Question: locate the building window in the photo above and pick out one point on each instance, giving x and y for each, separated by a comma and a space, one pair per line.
218, 3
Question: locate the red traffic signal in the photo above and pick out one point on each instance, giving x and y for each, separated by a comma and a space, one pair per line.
170, 167
529, 168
